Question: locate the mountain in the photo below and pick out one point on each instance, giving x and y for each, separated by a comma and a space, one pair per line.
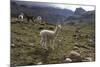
49, 14
80, 15
79, 11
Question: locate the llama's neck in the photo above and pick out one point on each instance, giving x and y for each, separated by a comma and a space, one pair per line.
56, 30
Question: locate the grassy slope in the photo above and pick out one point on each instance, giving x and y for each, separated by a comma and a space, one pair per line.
27, 49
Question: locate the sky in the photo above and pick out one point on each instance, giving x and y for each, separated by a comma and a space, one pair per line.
72, 6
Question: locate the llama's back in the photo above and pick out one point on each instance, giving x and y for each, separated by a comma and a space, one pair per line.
47, 33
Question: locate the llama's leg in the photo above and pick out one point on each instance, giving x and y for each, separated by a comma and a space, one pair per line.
53, 45
32, 20
42, 43
21, 20
27, 19
45, 45
50, 43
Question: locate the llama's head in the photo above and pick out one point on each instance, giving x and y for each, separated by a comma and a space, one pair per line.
58, 28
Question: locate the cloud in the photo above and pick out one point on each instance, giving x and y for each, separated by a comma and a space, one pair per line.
58, 5
73, 7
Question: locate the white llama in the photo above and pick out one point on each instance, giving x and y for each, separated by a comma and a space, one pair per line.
21, 17
39, 19
48, 36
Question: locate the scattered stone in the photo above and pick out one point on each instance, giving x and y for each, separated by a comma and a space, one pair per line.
39, 63
90, 40
68, 60
76, 43
88, 59
59, 40
75, 56
13, 65
75, 48
13, 45
25, 27
31, 44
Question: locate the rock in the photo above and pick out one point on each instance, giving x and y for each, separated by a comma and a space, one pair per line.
88, 59
59, 40
13, 45
75, 56
68, 60
31, 44
25, 28
90, 40
75, 48
39, 63
76, 43
13, 65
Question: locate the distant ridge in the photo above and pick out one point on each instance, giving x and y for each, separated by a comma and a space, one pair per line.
79, 11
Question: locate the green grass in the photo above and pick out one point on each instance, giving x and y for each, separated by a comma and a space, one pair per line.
24, 34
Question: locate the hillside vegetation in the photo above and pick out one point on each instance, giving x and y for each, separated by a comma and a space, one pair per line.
26, 48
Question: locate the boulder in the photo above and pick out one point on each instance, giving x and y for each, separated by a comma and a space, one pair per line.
68, 60
39, 63
75, 48
75, 56
31, 44
13, 45
88, 59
